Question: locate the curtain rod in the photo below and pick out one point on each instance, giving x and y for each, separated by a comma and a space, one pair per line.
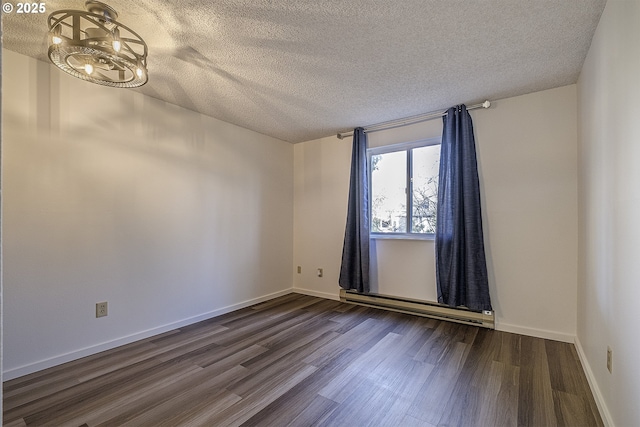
409, 120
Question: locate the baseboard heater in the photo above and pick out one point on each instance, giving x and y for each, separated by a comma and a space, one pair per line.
433, 310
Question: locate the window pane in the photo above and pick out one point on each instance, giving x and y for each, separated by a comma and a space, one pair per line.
388, 192
426, 162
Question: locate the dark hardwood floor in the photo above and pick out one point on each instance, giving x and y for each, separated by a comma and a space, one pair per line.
304, 361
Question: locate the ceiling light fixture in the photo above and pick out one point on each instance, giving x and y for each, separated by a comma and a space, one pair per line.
93, 46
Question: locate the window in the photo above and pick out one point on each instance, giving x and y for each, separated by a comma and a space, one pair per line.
404, 189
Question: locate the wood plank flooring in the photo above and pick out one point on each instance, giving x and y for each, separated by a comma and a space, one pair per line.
304, 361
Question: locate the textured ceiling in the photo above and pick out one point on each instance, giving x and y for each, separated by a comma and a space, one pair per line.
300, 70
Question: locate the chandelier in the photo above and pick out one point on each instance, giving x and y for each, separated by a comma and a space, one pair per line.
93, 46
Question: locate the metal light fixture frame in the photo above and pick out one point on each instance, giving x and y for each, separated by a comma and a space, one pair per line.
84, 44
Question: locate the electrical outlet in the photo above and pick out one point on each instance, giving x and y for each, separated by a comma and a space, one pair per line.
609, 358
101, 309
320, 272
299, 269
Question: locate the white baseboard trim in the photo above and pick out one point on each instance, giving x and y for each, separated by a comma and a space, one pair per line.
591, 379
88, 351
326, 295
532, 332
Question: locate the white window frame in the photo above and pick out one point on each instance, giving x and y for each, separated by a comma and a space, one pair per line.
404, 146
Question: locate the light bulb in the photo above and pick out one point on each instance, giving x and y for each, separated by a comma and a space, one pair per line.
140, 69
88, 68
56, 35
117, 45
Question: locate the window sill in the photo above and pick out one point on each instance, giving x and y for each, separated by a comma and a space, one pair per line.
402, 236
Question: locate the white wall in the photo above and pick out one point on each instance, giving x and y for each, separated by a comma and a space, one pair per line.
321, 177
609, 271
109, 195
528, 171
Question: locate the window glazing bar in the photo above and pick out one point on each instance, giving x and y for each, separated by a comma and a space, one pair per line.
410, 191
